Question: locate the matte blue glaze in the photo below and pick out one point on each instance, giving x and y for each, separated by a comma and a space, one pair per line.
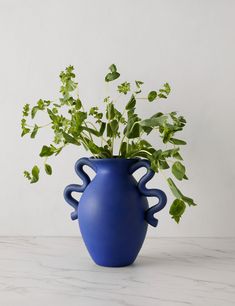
113, 211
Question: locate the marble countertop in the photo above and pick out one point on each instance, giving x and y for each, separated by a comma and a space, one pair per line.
36, 271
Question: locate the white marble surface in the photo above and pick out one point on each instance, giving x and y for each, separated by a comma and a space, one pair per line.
36, 271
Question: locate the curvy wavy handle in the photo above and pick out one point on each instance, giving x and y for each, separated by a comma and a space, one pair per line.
77, 188
149, 214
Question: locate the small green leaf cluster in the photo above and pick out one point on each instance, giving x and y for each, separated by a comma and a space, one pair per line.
99, 128
33, 177
161, 94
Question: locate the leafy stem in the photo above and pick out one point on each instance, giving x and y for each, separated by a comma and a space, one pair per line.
110, 126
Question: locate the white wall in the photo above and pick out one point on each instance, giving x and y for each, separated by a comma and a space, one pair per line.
191, 44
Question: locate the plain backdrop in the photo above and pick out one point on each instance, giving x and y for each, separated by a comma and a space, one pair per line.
190, 44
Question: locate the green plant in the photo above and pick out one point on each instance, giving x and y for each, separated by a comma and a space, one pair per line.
72, 124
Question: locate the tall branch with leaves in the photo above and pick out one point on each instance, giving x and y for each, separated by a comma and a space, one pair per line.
98, 131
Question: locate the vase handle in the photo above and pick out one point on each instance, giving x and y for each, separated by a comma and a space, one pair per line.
78, 188
149, 214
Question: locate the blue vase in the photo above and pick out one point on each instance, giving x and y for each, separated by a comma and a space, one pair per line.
113, 211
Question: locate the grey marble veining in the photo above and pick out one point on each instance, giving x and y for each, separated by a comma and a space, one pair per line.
36, 271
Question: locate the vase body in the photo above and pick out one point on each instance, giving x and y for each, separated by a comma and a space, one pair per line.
113, 212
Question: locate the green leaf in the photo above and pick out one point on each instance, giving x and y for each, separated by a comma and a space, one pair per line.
177, 155
177, 141
163, 165
112, 76
167, 88
55, 110
177, 209
162, 96
58, 150
176, 192
107, 99
26, 110
91, 131
152, 96
79, 118
68, 85
145, 144
153, 121
78, 104
46, 103
46, 151
93, 110
123, 148
114, 126
189, 201
27, 175
102, 128
25, 131
119, 116
131, 103
113, 68
52, 116
178, 170
167, 153
35, 174
110, 111
138, 85
69, 139
124, 88
147, 129
159, 114
133, 130
40, 104
154, 165
94, 149
172, 153
167, 134
109, 130
34, 132
23, 122
157, 155
34, 111
48, 169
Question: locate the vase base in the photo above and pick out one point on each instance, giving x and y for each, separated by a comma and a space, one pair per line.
113, 263
110, 264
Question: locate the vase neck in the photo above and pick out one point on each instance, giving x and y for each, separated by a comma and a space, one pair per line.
113, 165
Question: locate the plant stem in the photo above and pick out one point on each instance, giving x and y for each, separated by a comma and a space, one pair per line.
45, 161
86, 125
42, 126
84, 142
112, 145
136, 153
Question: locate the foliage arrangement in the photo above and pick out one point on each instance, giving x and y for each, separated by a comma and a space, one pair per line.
98, 130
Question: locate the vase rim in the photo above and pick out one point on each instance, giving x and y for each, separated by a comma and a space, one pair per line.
114, 158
